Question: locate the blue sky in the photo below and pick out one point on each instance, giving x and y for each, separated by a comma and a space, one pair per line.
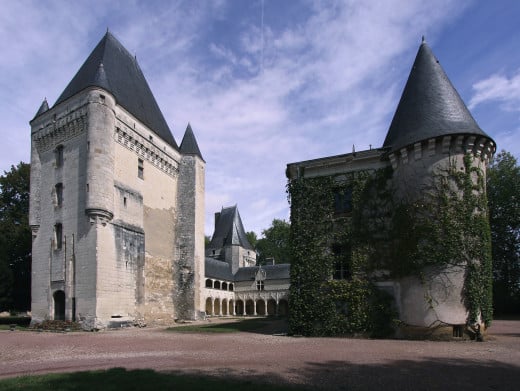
265, 83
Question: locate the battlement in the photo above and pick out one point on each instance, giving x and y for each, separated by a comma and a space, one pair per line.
480, 147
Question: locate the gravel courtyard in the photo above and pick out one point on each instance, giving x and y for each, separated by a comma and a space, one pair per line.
319, 363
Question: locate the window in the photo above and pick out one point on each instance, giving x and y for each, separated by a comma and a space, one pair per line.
259, 285
58, 236
140, 168
343, 201
124, 201
341, 270
58, 155
59, 194
341, 262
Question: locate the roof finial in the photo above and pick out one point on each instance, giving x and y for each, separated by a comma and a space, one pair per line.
423, 39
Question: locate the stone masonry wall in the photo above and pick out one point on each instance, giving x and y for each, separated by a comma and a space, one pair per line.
189, 257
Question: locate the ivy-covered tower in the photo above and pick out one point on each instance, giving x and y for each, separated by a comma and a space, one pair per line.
407, 220
439, 155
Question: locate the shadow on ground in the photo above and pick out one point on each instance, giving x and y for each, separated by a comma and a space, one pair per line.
402, 375
266, 326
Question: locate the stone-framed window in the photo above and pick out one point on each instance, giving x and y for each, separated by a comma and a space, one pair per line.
140, 168
59, 194
58, 236
260, 285
58, 156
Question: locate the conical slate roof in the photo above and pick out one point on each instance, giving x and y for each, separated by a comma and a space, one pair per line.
429, 107
229, 230
189, 144
43, 108
111, 67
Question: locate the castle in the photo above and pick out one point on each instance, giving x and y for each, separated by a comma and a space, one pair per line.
409, 217
117, 213
116, 206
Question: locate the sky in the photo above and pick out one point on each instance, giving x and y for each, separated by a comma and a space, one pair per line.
264, 83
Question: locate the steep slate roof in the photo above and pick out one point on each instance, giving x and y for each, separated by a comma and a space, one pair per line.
189, 144
429, 106
272, 272
111, 67
43, 108
217, 269
229, 230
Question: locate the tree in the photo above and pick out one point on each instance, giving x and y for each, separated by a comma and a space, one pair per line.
503, 187
275, 243
252, 238
15, 239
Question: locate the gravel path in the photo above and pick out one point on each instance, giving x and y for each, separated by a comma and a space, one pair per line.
322, 363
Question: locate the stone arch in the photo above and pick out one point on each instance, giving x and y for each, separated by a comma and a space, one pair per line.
271, 307
209, 306
216, 307
209, 283
240, 307
232, 310
260, 307
224, 286
283, 307
250, 307
216, 285
231, 286
59, 305
224, 307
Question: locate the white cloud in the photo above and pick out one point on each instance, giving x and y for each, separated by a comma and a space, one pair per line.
330, 78
498, 87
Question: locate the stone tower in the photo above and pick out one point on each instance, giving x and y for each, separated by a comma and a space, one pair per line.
229, 242
431, 132
409, 218
110, 208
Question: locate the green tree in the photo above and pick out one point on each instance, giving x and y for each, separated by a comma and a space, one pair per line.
274, 243
15, 239
252, 238
503, 187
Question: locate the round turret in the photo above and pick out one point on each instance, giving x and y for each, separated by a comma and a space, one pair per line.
100, 155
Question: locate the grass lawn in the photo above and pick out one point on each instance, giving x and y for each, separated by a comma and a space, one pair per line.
261, 325
120, 379
7, 327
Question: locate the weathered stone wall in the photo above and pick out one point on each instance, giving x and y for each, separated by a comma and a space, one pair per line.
147, 205
189, 257
119, 230
54, 269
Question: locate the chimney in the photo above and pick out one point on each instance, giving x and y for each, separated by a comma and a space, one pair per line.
217, 218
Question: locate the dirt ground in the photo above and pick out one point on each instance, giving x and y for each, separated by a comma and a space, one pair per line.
320, 363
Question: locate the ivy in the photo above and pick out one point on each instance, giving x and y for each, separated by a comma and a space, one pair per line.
383, 236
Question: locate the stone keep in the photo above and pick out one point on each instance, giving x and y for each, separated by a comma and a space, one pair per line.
116, 206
